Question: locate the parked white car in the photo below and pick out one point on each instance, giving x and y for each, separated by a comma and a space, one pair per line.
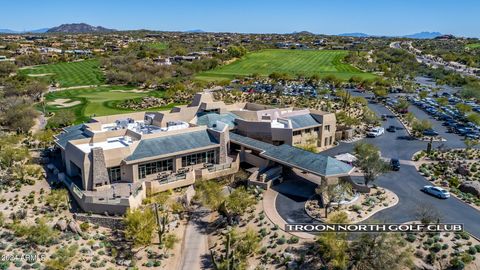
375, 132
436, 191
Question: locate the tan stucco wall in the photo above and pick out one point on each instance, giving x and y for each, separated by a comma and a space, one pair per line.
256, 130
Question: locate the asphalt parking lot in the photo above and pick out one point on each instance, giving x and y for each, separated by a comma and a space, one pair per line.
406, 183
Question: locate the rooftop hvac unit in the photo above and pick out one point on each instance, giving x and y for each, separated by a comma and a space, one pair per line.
123, 123
149, 119
173, 123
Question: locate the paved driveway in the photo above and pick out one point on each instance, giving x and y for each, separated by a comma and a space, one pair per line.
406, 183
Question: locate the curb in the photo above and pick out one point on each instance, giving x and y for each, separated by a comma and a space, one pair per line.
282, 226
362, 219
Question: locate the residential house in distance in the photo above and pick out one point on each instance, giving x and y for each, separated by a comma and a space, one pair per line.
113, 162
162, 61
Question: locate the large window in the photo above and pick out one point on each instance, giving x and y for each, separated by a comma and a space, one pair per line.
198, 158
114, 174
154, 167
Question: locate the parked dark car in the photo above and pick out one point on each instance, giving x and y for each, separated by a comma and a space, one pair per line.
461, 131
430, 132
391, 129
449, 123
395, 164
473, 136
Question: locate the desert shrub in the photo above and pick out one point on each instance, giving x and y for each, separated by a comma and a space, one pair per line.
263, 232
431, 257
282, 240
411, 237
453, 182
467, 258
356, 207
85, 226
457, 264
436, 247
293, 240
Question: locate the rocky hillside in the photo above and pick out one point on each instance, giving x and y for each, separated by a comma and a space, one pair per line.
79, 28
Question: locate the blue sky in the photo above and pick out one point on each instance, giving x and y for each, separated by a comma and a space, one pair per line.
379, 17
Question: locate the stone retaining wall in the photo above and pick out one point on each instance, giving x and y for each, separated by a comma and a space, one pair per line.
114, 223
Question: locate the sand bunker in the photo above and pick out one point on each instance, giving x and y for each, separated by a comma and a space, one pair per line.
64, 102
130, 91
41, 74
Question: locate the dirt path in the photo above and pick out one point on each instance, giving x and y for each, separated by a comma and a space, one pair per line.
40, 123
195, 253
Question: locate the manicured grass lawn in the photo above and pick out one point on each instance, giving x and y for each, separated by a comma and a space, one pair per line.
98, 101
307, 62
68, 74
473, 45
158, 45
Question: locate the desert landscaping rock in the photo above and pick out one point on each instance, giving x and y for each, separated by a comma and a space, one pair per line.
472, 187
74, 227
61, 225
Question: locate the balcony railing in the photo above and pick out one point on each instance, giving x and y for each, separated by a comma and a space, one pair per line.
165, 179
219, 167
77, 190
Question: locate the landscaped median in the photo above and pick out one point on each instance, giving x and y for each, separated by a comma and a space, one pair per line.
359, 207
456, 170
409, 128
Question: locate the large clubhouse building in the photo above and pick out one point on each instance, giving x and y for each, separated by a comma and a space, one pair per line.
113, 162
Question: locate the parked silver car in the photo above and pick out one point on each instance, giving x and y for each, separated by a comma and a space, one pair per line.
436, 191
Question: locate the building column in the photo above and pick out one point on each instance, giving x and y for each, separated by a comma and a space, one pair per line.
99, 168
177, 163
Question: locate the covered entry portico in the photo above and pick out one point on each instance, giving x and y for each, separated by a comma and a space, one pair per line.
265, 155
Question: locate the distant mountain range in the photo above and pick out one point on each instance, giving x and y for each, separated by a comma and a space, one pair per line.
9, 31
424, 35
79, 28
354, 35
421, 35
73, 28
195, 31
303, 33
64, 28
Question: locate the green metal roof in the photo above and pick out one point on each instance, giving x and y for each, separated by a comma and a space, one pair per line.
71, 133
172, 144
210, 119
295, 157
305, 160
303, 121
252, 143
